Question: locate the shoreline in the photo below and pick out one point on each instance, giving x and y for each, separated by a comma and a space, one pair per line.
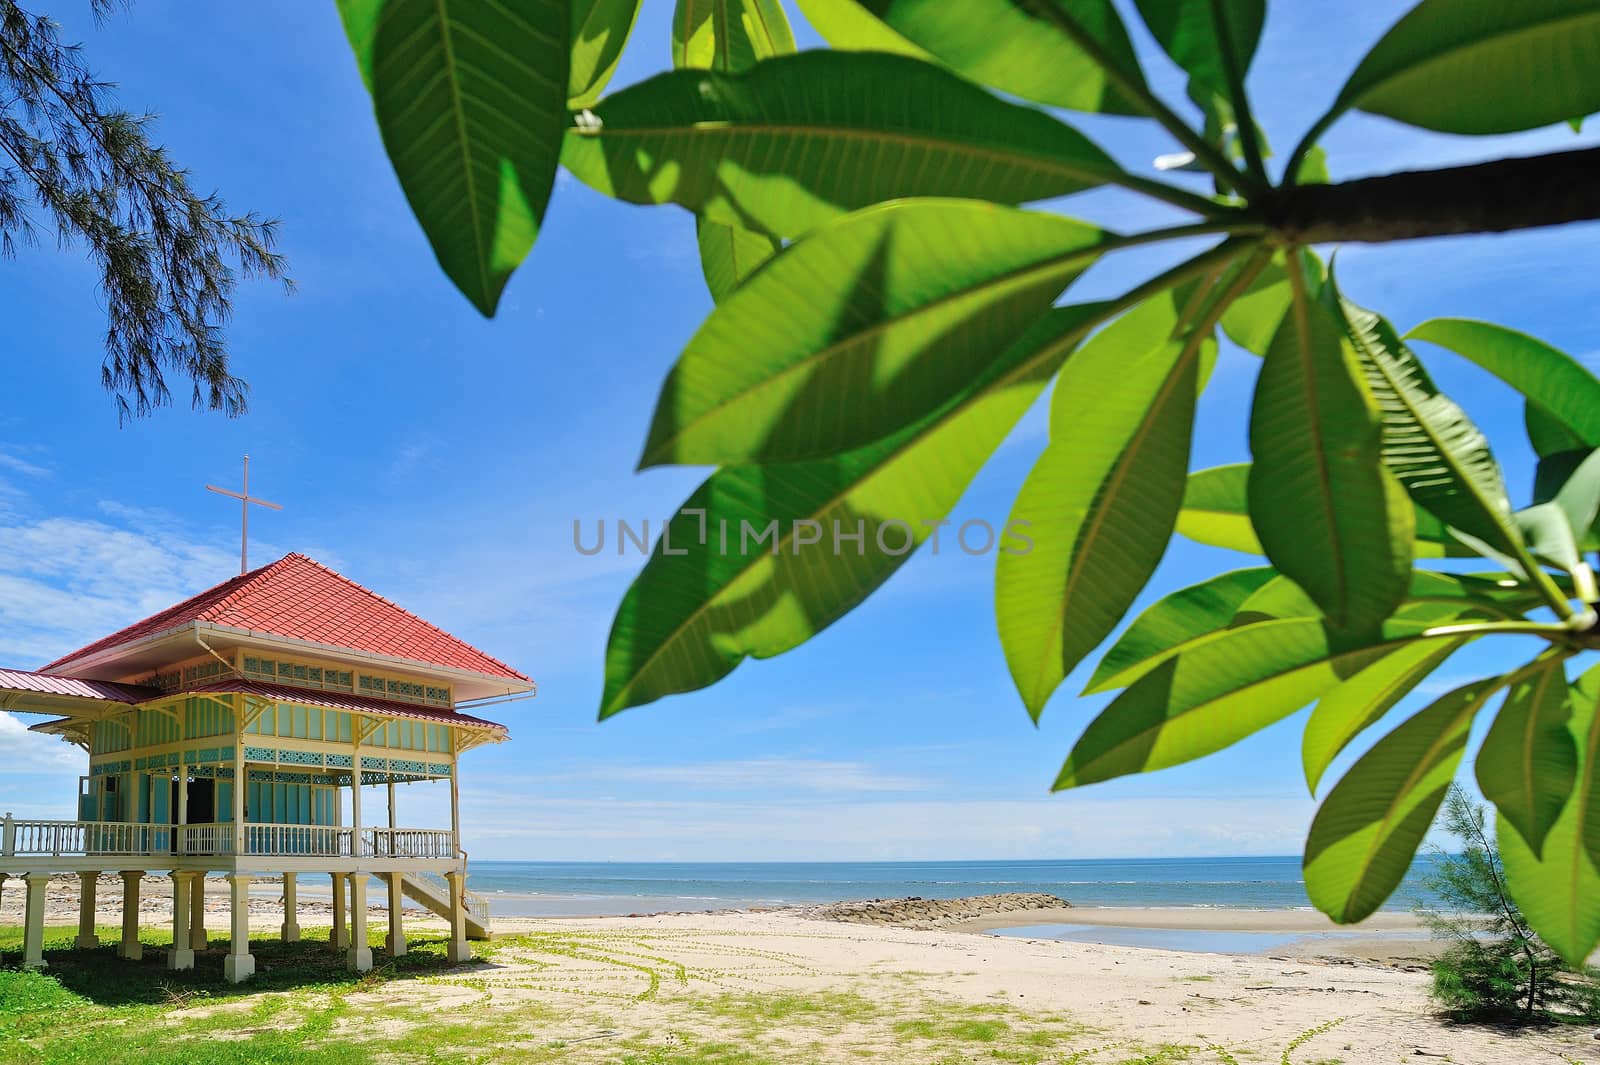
1389, 938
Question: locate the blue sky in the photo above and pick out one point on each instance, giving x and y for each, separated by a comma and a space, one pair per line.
441, 459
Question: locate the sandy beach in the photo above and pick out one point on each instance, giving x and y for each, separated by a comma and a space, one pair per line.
594, 982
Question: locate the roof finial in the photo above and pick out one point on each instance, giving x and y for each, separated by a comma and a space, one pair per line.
245, 499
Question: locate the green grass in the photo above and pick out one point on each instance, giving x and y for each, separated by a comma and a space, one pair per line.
549, 998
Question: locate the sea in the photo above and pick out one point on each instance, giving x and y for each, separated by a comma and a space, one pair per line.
564, 889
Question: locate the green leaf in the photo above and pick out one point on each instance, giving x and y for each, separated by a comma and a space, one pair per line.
1362, 701
1204, 37
849, 27
1549, 536
1251, 597
1554, 380
1528, 761
1429, 443
1196, 611
1558, 889
1546, 433
1220, 689
1215, 512
1252, 320
730, 254
689, 619
861, 328
729, 35
600, 30
1215, 509
1313, 169
800, 139
1571, 480
471, 103
1482, 66
1100, 502
1368, 828
1325, 509
1000, 43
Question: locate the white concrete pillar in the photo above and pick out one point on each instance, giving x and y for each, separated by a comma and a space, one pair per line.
355, 804
197, 913
359, 956
238, 966
339, 937
239, 785
457, 950
181, 956
291, 916
396, 942
130, 947
33, 920
455, 806
86, 940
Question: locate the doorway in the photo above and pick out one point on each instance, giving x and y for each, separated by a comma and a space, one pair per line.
202, 801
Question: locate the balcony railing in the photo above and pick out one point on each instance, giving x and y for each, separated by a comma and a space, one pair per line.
58, 839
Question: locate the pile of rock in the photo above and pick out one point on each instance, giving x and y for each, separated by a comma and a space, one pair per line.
918, 912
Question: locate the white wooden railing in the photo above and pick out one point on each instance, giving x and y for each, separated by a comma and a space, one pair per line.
307, 840
58, 838
84, 838
408, 842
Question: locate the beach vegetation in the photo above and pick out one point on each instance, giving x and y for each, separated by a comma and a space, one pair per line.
887, 307
1496, 967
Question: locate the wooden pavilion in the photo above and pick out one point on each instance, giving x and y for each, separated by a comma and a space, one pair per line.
231, 733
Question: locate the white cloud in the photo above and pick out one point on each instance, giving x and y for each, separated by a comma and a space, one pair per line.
782, 829
22, 466
68, 581
769, 774
34, 752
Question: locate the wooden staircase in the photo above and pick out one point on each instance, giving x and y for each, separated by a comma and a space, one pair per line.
432, 892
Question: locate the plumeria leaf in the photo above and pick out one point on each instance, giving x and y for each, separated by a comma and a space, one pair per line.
1017, 50
1528, 761
1100, 502
1325, 509
861, 328
1558, 886
1368, 829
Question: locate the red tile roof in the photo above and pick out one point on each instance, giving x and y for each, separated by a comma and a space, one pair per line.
363, 704
299, 598
16, 680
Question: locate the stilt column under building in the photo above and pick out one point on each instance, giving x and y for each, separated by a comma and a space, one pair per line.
181, 955
197, 913
240, 964
87, 940
359, 956
130, 947
33, 920
457, 950
291, 916
396, 943
339, 937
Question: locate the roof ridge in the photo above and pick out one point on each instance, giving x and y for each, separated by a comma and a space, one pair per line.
246, 582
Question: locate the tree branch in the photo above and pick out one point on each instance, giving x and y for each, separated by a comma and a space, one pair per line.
1494, 197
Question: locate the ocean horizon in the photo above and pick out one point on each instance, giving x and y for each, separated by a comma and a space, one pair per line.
557, 889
